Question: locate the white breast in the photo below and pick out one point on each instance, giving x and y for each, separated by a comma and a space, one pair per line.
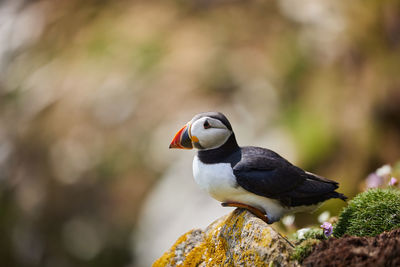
216, 179
219, 181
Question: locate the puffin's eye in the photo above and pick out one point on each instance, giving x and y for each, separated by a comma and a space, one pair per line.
206, 125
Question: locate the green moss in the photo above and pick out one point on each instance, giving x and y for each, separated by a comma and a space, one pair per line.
370, 213
315, 233
305, 242
310, 233
304, 249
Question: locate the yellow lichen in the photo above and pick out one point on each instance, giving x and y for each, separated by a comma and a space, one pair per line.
214, 250
195, 256
249, 257
214, 247
168, 257
267, 239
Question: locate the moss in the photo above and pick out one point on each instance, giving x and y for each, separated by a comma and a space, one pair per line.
304, 249
305, 243
315, 233
311, 233
370, 213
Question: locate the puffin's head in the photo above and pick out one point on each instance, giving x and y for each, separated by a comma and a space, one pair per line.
205, 131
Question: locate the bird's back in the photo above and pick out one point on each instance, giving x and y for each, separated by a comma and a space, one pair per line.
266, 173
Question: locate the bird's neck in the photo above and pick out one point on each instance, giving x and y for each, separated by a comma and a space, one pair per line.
220, 154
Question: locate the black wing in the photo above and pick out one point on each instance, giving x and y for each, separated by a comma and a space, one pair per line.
265, 173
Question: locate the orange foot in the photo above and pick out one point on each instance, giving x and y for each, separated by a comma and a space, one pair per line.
253, 210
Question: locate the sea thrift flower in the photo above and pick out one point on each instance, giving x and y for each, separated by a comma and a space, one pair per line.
393, 181
327, 228
373, 180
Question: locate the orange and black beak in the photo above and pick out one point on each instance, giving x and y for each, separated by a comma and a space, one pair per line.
182, 139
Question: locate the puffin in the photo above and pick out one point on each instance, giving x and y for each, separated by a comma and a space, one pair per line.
249, 177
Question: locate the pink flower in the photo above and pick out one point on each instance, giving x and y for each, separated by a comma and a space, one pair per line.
373, 180
393, 181
327, 228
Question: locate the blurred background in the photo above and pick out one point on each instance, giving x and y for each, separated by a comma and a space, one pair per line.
92, 92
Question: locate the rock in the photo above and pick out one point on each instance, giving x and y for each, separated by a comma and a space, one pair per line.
237, 239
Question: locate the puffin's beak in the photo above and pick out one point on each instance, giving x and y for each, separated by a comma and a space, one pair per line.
182, 139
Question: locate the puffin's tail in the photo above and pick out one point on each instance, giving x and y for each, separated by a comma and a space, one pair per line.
314, 190
334, 185
316, 199
327, 186
338, 195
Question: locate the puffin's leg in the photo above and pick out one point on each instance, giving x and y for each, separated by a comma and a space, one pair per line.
253, 210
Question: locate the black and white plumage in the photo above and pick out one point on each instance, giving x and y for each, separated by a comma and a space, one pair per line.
253, 176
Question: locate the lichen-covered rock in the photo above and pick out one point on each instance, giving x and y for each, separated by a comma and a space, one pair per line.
237, 239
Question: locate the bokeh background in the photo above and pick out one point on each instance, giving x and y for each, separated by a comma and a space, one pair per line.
92, 92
